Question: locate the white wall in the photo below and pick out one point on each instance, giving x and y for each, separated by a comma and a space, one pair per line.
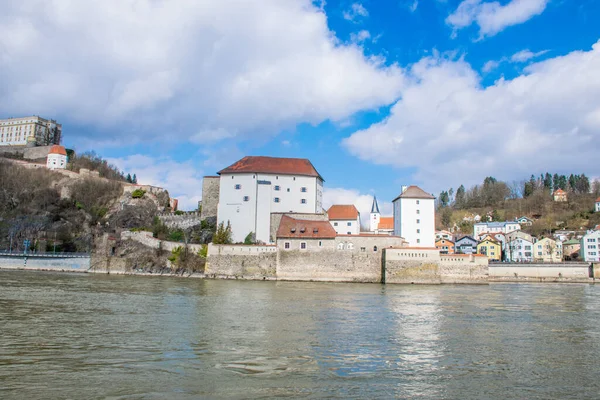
56, 161
406, 214
254, 215
346, 226
374, 220
590, 246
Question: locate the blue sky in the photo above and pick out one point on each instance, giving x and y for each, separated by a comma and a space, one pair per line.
376, 94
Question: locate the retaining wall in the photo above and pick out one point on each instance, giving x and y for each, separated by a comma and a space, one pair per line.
76, 264
542, 272
146, 239
241, 261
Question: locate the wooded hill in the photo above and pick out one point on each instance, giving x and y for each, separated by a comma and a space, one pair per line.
505, 201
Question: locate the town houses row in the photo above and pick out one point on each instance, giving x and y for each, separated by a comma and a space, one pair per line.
505, 241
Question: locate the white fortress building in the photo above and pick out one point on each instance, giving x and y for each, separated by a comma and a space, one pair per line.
254, 187
57, 157
414, 217
345, 219
29, 131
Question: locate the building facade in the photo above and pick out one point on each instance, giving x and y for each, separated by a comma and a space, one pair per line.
590, 246
57, 158
414, 217
571, 249
548, 250
559, 195
345, 219
494, 227
491, 249
519, 249
254, 187
32, 130
445, 246
466, 245
597, 207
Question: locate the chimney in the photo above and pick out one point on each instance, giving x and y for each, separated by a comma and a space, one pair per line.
404, 187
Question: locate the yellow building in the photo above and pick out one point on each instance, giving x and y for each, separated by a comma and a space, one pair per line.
548, 250
491, 249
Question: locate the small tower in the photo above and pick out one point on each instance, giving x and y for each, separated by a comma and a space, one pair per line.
375, 216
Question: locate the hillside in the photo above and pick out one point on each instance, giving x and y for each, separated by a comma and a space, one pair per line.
501, 201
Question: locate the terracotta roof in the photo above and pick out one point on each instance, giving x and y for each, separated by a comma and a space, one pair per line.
342, 211
443, 240
559, 191
386, 223
414, 192
57, 149
598, 200
298, 228
272, 165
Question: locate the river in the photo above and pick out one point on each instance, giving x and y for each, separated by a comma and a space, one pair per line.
87, 336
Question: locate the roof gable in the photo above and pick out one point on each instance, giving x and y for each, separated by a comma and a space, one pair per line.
386, 223
272, 165
414, 192
342, 211
297, 228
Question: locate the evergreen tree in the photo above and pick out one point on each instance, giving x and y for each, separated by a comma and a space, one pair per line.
556, 181
459, 202
548, 181
128, 179
134, 179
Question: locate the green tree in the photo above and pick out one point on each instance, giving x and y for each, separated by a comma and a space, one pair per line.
250, 238
459, 201
223, 234
446, 217
134, 179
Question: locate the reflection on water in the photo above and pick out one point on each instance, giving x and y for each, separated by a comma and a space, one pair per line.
89, 336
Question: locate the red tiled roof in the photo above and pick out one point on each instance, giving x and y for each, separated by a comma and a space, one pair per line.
559, 191
598, 200
57, 149
272, 165
414, 192
298, 228
386, 223
342, 211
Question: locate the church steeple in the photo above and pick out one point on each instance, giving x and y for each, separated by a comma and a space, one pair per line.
375, 206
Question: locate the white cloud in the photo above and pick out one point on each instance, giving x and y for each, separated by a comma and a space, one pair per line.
453, 130
363, 202
165, 70
183, 180
360, 36
356, 12
493, 17
490, 66
526, 55
413, 7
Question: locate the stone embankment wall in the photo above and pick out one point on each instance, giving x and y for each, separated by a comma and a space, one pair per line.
75, 264
146, 239
182, 221
29, 153
515, 272
241, 261
427, 266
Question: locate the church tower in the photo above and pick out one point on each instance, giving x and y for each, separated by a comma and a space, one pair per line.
375, 216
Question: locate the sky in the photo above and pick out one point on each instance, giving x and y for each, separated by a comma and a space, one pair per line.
376, 93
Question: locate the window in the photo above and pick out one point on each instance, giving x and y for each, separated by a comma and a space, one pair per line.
303, 190
374, 248
348, 233
417, 201
340, 246
349, 223
276, 199
418, 221
335, 224
320, 243
288, 189
362, 249
418, 240
539, 253
277, 188
246, 198
238, 186
303, 201
418, 231
286, 245
418, 211
303, 245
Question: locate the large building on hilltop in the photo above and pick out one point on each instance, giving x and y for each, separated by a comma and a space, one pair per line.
414, 217
253, 188
32, 131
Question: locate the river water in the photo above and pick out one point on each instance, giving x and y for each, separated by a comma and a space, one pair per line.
71, 336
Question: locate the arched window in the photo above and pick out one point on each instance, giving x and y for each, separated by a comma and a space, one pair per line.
340, 246
374, 248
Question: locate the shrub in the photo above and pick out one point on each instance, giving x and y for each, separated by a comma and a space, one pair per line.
179, 212
138, 193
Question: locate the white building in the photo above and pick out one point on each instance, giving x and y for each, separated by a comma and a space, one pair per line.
378, 224
345, 219
414, 217
519, 249
597, 209
254, 187
20, 131
590, 246
57, 157
494, 227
